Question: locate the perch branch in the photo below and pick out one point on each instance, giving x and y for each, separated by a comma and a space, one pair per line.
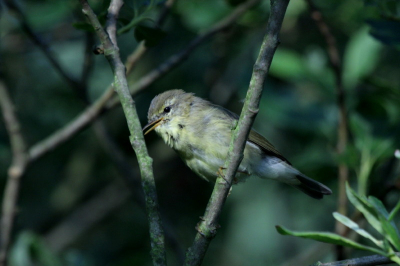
209, 224
111, 52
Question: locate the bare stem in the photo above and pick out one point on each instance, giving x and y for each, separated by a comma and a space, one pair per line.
207, 228
15, 172
342, 130
111, 52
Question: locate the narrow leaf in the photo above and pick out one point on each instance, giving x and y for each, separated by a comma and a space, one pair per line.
362, 204
394, 211
330, 238
352, 225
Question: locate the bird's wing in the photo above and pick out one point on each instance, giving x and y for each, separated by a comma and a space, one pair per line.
256, 138
265, 145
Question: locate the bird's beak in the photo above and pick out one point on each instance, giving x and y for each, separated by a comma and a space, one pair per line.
152, 125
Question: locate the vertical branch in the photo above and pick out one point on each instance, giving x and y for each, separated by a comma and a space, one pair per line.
342, 130
209, 224
111, 52
15, 172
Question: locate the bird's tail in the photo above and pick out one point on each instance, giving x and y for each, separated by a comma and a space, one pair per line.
311, 187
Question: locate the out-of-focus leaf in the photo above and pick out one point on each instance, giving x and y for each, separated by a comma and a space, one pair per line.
397, 154
394, 211
352, 225
360, 58
379, 206
199, 15
151, 36
365, 208
287, 64
329, 238
391, 233
360, 127
390, 230
29, 249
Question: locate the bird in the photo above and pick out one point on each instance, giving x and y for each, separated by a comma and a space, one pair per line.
200, 132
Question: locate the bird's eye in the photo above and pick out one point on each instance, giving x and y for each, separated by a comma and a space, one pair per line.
167, 109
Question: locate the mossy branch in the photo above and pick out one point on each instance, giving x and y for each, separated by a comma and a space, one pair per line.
208, 226
111, 52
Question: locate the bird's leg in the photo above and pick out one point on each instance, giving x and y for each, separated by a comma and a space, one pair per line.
235, 180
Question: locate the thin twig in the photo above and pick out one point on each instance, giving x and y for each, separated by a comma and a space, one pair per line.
342, 131
209, 224
362, 261
43, 46
111, 52
15, 172
104, 103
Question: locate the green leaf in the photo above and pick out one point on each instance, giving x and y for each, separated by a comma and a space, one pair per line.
360, 58
394, 211
362, 204
397, 154
391, 233
151, 36
390, 230
352, 225
287, 65
331, 238
30, 249
378, 206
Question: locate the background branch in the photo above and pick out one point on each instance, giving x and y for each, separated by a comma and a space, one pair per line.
43, 46
342, 130
15, 172
209, 224
111, 52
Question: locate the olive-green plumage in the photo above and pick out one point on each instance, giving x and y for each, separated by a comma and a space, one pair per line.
200, 132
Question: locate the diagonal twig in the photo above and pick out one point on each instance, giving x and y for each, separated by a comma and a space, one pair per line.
209, 224
43, 46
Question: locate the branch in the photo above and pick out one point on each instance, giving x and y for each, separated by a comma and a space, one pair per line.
111, 52
342, 133
209, 224
15, 172
362, 261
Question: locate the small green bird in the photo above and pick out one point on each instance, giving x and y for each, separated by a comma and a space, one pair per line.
200, 132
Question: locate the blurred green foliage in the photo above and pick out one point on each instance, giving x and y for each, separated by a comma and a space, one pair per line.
378, 218
298, 114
